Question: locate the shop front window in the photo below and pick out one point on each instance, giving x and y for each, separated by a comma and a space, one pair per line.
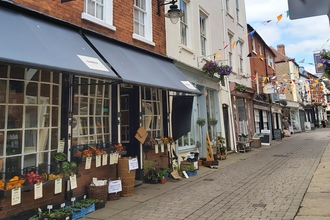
26, 105
242, 115
211, 117
91, 112
152, 112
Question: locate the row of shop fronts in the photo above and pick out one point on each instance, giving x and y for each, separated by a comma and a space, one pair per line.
60, 82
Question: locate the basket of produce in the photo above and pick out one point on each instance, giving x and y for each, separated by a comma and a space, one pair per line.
59, 156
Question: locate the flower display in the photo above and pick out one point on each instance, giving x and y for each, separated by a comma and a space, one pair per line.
211, 67
167, 140
325, 59
224, 70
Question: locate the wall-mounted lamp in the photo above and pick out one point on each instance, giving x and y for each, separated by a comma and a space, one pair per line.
174, 13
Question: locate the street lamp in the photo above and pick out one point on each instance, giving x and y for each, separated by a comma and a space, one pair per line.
174, 13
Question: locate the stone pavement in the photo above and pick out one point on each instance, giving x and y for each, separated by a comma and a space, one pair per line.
266, 183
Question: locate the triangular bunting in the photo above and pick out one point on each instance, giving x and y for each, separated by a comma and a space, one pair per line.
252, 32
279, 18
233, 45
249, 55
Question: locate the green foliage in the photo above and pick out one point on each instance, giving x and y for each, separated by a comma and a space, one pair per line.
240, 87
189, 167
201, 121
213, 121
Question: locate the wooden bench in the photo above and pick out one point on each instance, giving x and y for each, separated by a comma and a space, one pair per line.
243, 146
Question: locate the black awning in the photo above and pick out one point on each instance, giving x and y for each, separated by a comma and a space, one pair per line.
32, 41
142, 68
181, 115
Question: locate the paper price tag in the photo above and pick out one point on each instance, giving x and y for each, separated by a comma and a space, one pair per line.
62, 205
88, 163
98, 160
73, 199
73, 181
50, 207
38, 191
16, 196
104, 159
84, 196
58, 186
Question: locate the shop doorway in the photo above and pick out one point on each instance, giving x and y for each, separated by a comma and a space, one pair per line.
129, 122
226, 126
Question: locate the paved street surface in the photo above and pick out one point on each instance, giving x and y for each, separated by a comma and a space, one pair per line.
266, 183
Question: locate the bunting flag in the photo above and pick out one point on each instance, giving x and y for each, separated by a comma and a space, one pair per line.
252, 33
287, 13
233, 45
274, 77
302, 61
225, 46
260, 56
249, 55
237, 42
266, 21
279, 18
253, 77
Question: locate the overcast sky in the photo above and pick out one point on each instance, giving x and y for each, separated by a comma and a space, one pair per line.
301, 37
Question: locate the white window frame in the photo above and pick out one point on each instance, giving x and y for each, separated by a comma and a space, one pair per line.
237, 11
107, 20
148, 37
203, 32
257, 120
230, 50
260, 51
253, 43
41, 139
184, 24
227, 6
87, 130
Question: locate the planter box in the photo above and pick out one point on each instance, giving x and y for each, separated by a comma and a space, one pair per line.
77, 215
183, 163
90, 209
191, 173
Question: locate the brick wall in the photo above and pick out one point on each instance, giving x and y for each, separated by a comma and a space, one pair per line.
49, 198
122, 20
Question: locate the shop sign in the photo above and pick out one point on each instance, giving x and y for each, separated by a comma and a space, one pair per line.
269, 88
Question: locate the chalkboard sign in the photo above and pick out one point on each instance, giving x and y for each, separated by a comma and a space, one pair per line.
277, 134
265, 140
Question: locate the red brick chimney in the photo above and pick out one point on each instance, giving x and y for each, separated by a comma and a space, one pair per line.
281, 48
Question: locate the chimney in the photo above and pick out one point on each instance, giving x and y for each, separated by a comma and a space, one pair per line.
281, 48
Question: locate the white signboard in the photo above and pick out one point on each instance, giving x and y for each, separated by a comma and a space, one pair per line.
88, 163
60, 147
98, 160
16, 196
265, 140
188, 85
308, 126
269, 88
73, 181
38, 191
93, 63
133, 164
115, 186
104, 159
58, 186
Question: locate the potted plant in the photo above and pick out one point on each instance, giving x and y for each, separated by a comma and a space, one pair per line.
240, 87
190, 169
224, 70
213, 122
162, 174
151, 173
210, 68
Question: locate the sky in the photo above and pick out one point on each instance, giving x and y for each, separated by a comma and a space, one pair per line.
301, 37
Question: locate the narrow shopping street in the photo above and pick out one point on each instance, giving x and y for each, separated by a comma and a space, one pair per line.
265, 183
